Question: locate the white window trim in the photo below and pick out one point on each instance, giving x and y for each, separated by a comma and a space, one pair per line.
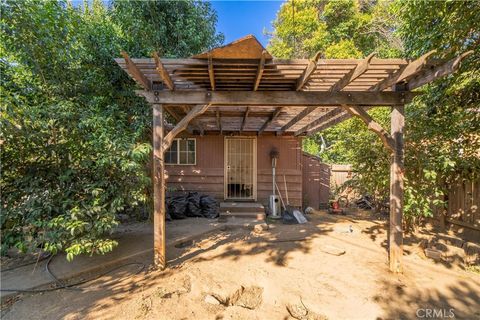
178, 153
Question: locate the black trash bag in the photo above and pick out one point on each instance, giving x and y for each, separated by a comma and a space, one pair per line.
193, 205
209, 207
288, 217
177, 207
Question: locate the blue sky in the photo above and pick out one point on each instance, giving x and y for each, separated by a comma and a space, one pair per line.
236, 19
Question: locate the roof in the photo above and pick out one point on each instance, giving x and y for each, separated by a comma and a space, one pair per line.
277, 95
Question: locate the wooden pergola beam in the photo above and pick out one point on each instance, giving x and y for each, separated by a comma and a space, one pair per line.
244, 120
437, 72
279, 98
136, 73
353, 74
327, 116
176, 116
261, 67
173, 113
211, 73
305, 112
219, 120
162, 72
330, 120
183, 124
372, 125
194, 123
308, 72
273, 116
404, 73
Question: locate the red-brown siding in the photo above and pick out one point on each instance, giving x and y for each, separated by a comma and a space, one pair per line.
207, 176
316, 182
288, 164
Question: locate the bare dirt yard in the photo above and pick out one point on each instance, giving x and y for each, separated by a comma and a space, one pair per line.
330, 268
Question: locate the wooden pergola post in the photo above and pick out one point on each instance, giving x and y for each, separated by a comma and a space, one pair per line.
159, 258
396, 190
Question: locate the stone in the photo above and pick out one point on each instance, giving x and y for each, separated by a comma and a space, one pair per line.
247, 297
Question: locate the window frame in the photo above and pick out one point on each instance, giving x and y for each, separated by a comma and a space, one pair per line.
177, 141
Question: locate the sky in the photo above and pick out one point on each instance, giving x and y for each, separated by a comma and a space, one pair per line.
237, 19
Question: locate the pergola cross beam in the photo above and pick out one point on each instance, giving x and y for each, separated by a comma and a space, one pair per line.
279, 98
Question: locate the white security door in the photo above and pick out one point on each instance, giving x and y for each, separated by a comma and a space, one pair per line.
240, 168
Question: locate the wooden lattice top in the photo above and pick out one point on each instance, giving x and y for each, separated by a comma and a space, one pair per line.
246, 66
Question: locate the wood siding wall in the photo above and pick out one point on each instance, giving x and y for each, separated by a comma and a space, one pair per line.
289, 163
207, 176
316, 182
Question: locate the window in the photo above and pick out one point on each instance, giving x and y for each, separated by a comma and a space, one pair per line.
182, 151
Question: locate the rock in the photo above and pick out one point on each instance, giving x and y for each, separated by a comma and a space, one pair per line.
300, 312
211, 300
249, 297
259, 228
297, 311
472, 253
309, 210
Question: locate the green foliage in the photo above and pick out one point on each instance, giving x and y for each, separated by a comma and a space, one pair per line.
75, 137
442, 138
339, 29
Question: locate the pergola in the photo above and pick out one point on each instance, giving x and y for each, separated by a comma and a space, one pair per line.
241, 88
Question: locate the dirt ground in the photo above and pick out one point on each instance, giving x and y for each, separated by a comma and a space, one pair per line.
329, 268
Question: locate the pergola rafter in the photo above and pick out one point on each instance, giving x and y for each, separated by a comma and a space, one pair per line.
166, 79
236, 82
349, 77
308, 72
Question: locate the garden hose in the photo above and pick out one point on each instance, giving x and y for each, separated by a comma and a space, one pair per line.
73, 286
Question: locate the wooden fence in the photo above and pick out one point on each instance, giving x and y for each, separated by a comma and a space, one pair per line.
464, 204
340, 173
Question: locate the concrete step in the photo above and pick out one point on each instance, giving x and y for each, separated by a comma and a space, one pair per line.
242, 207
242, 210
238, 214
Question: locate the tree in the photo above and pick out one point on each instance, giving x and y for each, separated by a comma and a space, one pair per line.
338, 29
75, 137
